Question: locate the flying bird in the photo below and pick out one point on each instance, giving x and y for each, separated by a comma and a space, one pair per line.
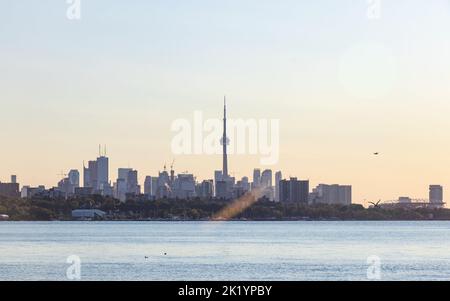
376, 154
375, 205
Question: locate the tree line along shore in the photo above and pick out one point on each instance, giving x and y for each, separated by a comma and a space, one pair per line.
48, 209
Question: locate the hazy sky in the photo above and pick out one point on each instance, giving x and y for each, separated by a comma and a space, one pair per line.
342, 85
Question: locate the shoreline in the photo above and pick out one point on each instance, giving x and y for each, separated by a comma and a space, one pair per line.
231, 220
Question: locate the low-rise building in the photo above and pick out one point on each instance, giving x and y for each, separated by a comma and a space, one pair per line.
88, 214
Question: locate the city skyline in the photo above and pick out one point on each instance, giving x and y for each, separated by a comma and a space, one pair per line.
343, 85
96, 180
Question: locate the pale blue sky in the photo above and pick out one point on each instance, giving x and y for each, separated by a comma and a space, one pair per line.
341, 84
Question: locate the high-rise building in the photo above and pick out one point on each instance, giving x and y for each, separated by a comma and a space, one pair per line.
222, 190
266, 178
127, 183
293, 191
163, 190
10, 190
278, 178
256, 178
90, 175
67, 186
154, 186
266, 184
436, 194
102, 172
184, 186
244, 184
74, 178
122, 173
133, 186
332, 194
205, 190
148, 186
218, 177
13, 179
96, 175
120, 190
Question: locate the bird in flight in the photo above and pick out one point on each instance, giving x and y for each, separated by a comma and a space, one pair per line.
375, 205
376, 154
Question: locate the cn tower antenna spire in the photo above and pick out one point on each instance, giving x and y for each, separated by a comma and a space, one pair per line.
225, 139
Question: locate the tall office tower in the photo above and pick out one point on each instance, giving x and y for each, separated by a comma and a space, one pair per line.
256, 178
218, 177
127, 183
164, 189
205, 189
266, 184
225, 141
122, 173
86, 176
74, 178
102, 173
154, 186
121, 187
266, 178
245, 184
184, 186
293, 190
304, 191
13, 179
90, 175
132, 183
436, 194
148, 186
278, 178
120, 190
221, 190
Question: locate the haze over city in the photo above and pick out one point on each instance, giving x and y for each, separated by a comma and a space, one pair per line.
343, 86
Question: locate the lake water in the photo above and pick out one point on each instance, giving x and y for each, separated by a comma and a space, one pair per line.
226, 250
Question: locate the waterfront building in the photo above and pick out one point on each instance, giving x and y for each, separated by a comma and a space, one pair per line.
436, 194
10, 190
332, 194
294, 191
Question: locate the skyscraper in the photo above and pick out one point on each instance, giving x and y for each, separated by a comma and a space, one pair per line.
205, 189
148, 186
74, 178
266, 178
96, 175
127, 183
278, 178
90, 175
102, 172
256, 178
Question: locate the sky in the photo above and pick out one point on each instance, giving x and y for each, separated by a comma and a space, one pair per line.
343, 85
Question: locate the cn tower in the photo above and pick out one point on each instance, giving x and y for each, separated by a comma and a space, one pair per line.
225, 140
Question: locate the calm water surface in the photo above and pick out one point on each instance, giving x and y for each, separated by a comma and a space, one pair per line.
225, 250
